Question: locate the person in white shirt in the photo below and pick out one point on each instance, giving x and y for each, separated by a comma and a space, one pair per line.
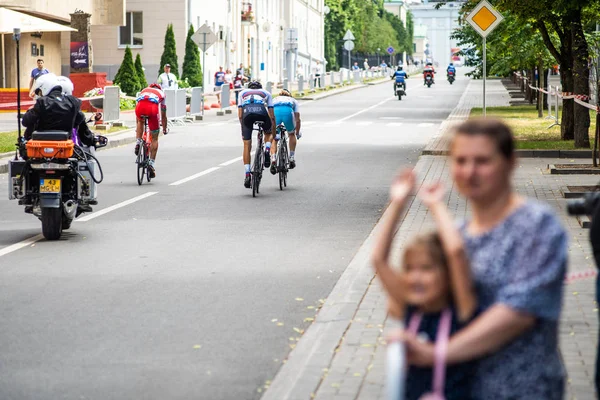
318, 72
366, 65
167, 80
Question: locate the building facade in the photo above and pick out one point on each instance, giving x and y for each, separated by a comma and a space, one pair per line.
440, 24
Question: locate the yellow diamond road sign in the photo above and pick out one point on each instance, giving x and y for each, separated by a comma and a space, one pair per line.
484, 18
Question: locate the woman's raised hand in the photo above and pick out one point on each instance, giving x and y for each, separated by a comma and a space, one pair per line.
432, 194
403, 185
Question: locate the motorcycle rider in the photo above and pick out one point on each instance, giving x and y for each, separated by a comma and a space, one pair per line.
428, 70
400, 77
451, 69
56, 110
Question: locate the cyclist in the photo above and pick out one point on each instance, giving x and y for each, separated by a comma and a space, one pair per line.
255, 105
148, 102
287, 110
400, 76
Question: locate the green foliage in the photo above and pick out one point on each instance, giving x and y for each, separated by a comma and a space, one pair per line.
371, 24
125, 104
140, 71
169, 55
192, 70
127, 78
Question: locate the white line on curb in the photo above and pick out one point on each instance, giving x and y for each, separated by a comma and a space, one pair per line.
226, 163
198, 175
115, 207
20, 245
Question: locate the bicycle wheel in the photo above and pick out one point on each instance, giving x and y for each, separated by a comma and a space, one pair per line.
282, 162
257, 169
147, 160
286, 160
140, 166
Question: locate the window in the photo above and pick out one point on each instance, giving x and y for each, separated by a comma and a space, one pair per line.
132, 33
41, 50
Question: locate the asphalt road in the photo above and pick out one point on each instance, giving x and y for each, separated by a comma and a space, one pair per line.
197, 290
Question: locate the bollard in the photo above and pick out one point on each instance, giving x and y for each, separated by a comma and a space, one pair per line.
311, 83
269, 87
171, 103
286, 84
225, 99
301, 84
356, 76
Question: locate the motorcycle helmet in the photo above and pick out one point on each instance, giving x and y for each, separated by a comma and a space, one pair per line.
66, 84
451, 64
399, 68
44, 84
255, 85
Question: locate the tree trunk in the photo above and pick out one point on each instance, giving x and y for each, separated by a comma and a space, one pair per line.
531, 81
581, 80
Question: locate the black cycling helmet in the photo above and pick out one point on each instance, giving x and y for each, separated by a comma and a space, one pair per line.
255, 85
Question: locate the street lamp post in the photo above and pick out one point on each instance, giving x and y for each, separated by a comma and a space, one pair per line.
378, 50
17, 38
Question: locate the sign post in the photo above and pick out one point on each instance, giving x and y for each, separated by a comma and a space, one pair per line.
204, 37
484, 18
349, 45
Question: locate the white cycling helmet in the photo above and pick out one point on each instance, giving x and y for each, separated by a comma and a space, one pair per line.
66, 84
45, 83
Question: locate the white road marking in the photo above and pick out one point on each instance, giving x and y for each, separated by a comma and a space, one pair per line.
226, 163
308, 123
364, 123
391, 118
198, 175
425, 124
365, 110
115, 207
394, 124
333, 123
20, 245
217, 124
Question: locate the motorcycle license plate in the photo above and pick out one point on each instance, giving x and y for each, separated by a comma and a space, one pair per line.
49, 185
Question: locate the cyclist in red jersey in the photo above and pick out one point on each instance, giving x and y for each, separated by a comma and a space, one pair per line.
148, 102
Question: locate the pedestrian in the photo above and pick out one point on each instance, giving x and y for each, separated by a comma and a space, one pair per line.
241, 70
36, 73
355, 67
229, 78
167, 80
219, 81
366, 65
518, 254
238, 84
434, 271
318, 73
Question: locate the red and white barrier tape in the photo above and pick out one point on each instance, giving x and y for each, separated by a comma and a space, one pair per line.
577, 276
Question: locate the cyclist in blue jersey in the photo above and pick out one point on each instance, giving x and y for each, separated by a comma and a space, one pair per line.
255, 105
399, 76
287, 111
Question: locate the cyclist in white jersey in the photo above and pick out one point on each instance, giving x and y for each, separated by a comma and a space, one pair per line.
255, 105
287, 110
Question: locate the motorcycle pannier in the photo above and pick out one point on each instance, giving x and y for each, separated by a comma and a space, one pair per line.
50, 149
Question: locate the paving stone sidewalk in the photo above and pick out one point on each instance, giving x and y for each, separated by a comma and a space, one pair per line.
355, 367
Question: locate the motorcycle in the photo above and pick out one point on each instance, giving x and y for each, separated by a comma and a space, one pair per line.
451, 78
55, 179
400, 90
429, 80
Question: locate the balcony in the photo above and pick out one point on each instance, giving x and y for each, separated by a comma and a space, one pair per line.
247, 13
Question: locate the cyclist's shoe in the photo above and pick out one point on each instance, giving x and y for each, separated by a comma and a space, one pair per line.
273, 168
247, 180
151, 171
292, 163
137, 149
267, 159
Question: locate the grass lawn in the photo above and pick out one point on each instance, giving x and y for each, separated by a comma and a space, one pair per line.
8, 139
530, 131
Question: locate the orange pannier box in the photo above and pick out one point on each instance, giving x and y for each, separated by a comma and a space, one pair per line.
50, 149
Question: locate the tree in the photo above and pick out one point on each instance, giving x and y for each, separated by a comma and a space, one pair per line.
169, 55
192, 70
126, 77
140, 71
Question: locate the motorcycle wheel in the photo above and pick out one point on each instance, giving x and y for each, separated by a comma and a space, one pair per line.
428, 84
52, 223
399, 97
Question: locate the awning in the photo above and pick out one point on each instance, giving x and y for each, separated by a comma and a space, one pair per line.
9, 20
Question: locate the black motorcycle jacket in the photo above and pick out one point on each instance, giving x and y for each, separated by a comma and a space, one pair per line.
57, 112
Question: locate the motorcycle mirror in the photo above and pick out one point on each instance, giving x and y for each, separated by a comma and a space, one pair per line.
100, 141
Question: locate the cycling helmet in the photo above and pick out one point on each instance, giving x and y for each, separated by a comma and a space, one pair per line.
255, 85
44, 84
155, 85
285, 92
66, 84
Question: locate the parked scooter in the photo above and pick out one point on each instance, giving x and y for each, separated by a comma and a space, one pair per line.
55, 179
